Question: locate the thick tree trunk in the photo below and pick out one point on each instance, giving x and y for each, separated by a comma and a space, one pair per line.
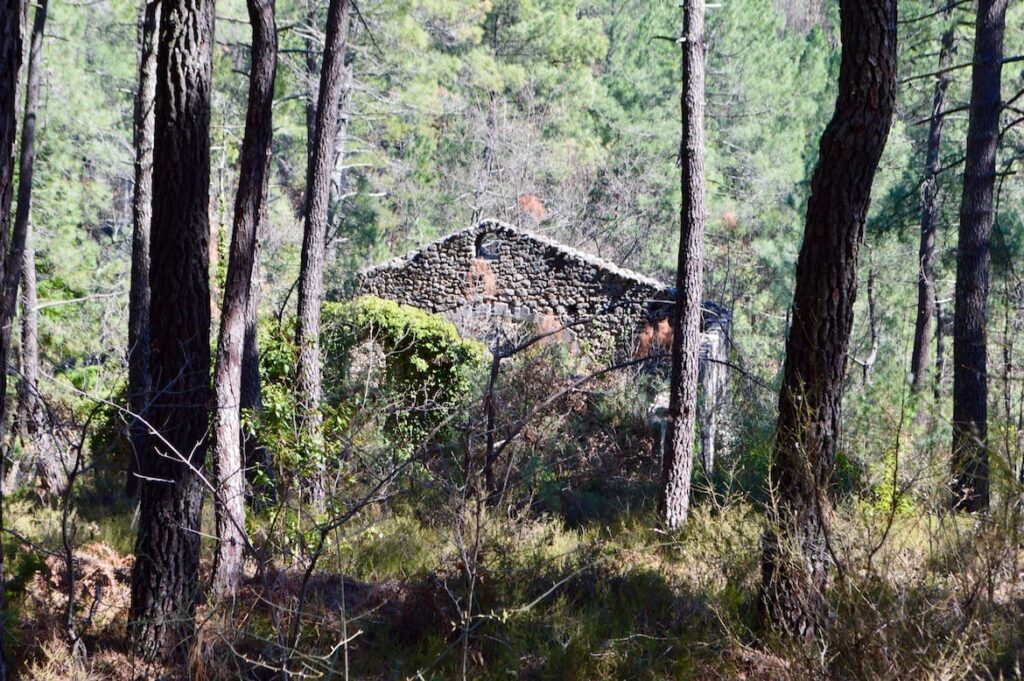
930, 219
970, 484
682, 408
250, 207
795, 562
165, 576
138, 295
311, 275
10, 66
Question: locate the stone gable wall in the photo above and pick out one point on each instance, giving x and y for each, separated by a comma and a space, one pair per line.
494, 274
494, 278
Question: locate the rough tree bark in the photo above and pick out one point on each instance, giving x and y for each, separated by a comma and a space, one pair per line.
682, 408
250, 207
311, 275
26, 171
10, 66
930, 217
49, 467
312, 72
970, 484
29, 409
258, 464
138, 294
165, 575
795, 562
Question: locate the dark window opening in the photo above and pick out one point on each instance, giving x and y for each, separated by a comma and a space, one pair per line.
487, 246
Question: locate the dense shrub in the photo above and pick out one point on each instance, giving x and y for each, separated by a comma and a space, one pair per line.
393, 376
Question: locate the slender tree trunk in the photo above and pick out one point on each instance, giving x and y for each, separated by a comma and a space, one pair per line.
26, 172
46, 458
682, 408
970, 484
311, 275
10, 66
138, 295
930, 219
339, 179
795, 562
491, 416
258, 461
250, 207
165, 576
1012, 323
29, 419
868, 363
312, 75
712, 380
29, 413
941, 321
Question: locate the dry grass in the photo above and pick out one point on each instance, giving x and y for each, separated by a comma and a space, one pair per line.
654, 338
481, 280
603, 601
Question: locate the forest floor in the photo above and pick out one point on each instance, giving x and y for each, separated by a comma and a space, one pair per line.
917, 595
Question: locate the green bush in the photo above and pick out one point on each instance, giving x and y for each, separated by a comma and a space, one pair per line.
423, 357
392, 375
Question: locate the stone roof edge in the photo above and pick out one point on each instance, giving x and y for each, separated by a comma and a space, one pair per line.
492, 224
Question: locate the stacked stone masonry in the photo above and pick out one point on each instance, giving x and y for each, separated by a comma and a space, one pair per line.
494, 278
495, 273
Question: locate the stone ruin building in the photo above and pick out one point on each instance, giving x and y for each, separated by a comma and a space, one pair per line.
493, 280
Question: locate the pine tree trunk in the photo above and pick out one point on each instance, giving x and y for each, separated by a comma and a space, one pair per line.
311, 275
250, 206
29, 408
258, 463
10, 66
312, 75
941, 322
970, 484
682, 409
930, 219
340, 175
45, 457
869, 362
795, 562
138, 295
166, 571
26, 172
28, 421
